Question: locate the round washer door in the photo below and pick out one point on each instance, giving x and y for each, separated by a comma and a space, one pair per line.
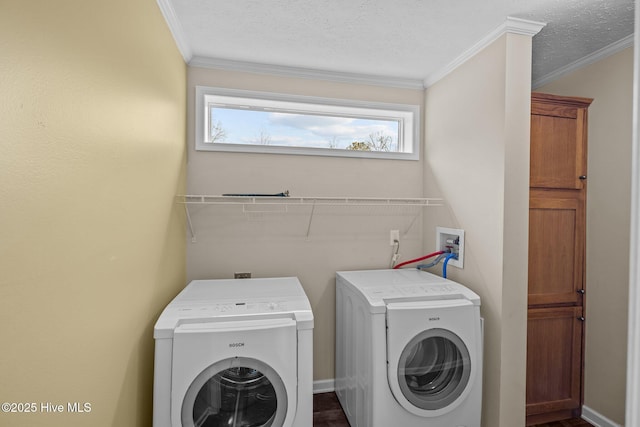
238, 391
434, 369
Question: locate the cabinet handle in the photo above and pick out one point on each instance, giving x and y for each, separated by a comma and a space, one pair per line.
583, 177
580, 291
581, 318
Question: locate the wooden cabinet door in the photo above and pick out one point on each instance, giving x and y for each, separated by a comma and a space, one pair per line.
554, 362
558, 142
556, 248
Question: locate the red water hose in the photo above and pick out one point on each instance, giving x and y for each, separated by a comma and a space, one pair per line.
411, 261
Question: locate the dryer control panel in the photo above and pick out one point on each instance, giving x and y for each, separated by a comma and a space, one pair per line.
239, 308
251, 307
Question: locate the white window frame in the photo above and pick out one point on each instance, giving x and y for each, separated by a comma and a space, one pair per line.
407, 116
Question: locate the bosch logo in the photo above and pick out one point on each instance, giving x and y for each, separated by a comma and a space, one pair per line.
432, 319
236, 344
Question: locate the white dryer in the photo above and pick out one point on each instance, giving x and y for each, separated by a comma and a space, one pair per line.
408, 350
235, 353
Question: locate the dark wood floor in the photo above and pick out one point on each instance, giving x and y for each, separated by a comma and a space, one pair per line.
575, 422
328, 413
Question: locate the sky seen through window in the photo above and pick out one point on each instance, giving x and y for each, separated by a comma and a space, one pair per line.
257, 127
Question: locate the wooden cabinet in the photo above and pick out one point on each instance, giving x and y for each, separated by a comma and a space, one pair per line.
556, 248
558, 135
557, 231
555, 339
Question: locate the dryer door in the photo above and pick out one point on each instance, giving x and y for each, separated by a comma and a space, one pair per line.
235, 392
434, 369
234, 373
430, 365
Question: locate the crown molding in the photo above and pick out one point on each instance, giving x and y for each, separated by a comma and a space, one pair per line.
511, 25
521, 26
305, 73
176, 29
596, 56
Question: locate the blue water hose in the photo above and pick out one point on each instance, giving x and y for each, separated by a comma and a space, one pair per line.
446, 261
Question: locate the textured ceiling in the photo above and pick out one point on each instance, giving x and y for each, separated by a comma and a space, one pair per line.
575, 29
410, 39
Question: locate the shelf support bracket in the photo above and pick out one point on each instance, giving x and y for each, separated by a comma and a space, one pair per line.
313, 208
189, 223
416, 216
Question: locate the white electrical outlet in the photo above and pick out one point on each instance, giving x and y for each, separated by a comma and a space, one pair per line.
451, 240
394, 235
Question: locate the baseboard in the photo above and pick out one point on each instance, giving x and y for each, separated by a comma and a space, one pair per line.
324, 386
598, 420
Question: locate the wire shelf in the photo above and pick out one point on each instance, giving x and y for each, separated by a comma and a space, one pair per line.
283, 204
324, 201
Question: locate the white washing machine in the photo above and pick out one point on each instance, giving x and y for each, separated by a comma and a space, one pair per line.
235, 353
408, 350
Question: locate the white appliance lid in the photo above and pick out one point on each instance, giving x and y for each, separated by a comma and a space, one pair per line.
380, 287
236, 299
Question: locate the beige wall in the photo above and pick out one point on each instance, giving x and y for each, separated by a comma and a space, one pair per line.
477, 150
92, 129
276, 244
610, 83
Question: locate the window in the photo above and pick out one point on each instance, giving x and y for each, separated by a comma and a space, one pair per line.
262, 122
